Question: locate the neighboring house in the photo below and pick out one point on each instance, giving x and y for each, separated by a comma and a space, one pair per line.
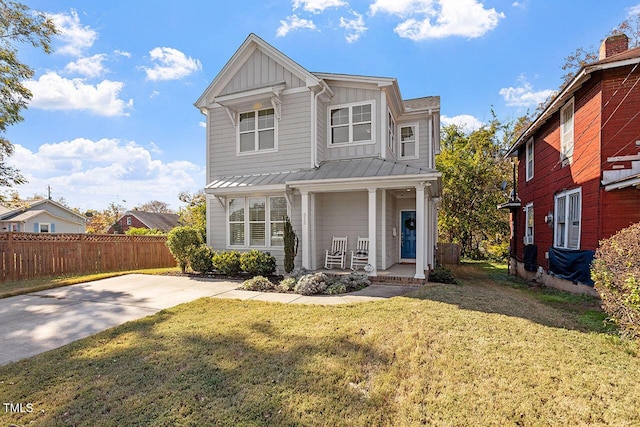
340, 155
140, 219
579, 168
41, 216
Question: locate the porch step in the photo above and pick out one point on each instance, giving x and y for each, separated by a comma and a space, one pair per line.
389, 280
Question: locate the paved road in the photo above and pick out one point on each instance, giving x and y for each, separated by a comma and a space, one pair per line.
33, 323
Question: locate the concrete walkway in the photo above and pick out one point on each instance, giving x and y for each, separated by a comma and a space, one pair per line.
33, 323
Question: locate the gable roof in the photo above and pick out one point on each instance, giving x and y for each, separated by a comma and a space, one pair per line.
154, 220
250, 45
622, 59
10, 213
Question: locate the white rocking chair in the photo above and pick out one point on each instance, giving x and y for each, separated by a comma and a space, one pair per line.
337, 254
360, 257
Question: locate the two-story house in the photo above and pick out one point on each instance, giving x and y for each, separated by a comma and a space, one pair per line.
579, 170
340, 155
164, 222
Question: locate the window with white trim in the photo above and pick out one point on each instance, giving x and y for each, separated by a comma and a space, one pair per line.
351, 124
567, 219
529, 159
128, 220
44, 227
408, 141
528, 230
567, 133
391, 137
257, 131
248, 217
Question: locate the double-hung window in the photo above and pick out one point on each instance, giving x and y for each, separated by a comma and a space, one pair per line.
408, 141
391, 137
257, 131
528, 231
567, 219
260, 224
567, 133
529, 158
351, 124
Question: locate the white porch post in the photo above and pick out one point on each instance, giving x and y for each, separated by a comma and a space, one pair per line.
306, 231
373, 253
420, 231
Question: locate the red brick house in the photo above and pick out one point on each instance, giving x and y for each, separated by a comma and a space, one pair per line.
140, 219
579, 171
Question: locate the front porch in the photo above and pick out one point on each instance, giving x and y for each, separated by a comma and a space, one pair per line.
398, 275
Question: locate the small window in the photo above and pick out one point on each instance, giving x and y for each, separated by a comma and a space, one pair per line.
351, 124
567, 219
528, 231
257, 131
408, 141
128, 220
567, 133
391, 137
236, 222
44, 227
277, 214
529, 158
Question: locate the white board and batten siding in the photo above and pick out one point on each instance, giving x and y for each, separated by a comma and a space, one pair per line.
261, 70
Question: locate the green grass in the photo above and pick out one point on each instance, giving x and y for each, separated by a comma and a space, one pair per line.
10, 289
479, 353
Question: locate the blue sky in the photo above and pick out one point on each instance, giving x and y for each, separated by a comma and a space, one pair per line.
112, 116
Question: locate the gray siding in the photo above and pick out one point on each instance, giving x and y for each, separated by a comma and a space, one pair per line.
294, 146
261, 70
424, 144
344, 95
392, 222
60, 225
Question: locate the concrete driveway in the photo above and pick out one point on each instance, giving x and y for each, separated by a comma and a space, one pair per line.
33, 323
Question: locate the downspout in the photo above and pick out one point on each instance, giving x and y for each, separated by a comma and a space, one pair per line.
314, 124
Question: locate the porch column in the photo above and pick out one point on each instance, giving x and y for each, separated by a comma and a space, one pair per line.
306, 231
372, 232
420, 231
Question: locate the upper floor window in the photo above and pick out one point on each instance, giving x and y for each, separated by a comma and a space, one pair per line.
529, 158
257, 131
408, 141
391, 137
351, 124
566, 133
128, 220
568, 207
528, 231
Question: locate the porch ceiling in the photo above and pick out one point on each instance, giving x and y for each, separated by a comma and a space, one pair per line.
336, 175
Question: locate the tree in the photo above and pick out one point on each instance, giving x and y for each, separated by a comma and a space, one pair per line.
194, 214
473, 170
99, 222
182, 242
155, 206
142, 231
18, 25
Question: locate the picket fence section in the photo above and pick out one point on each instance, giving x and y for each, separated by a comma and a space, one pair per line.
26, 256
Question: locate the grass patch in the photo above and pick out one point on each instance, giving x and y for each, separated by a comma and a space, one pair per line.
10, 289
476, 354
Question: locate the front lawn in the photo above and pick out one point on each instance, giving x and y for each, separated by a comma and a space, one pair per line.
479, 353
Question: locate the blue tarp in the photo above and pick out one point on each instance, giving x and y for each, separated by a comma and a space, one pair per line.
571, 264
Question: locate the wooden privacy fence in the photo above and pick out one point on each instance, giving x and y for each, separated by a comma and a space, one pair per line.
448, 254
34, 255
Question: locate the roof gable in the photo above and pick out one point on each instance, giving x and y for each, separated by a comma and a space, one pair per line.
47, 205
154, 220
256, 64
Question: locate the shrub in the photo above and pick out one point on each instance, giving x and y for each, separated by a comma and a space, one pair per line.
227, 262
297, 273
442, 275
259, 263
201, 259
355, 281
616, 275
336, 288
181, 242
287, 284
143, 231
311, 284
257, 283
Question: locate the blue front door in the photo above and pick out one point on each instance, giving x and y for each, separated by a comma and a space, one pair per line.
408, 229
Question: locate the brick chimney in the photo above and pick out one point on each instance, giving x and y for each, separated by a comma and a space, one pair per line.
614, 44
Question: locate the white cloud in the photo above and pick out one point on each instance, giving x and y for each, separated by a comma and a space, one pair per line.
202, 124
122, 53
317, 6
88, 67
466, 122
524, 95
355, 27
293, 23
520, 4
171, 64
91, 174
53, 92
75, 37
433, 19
